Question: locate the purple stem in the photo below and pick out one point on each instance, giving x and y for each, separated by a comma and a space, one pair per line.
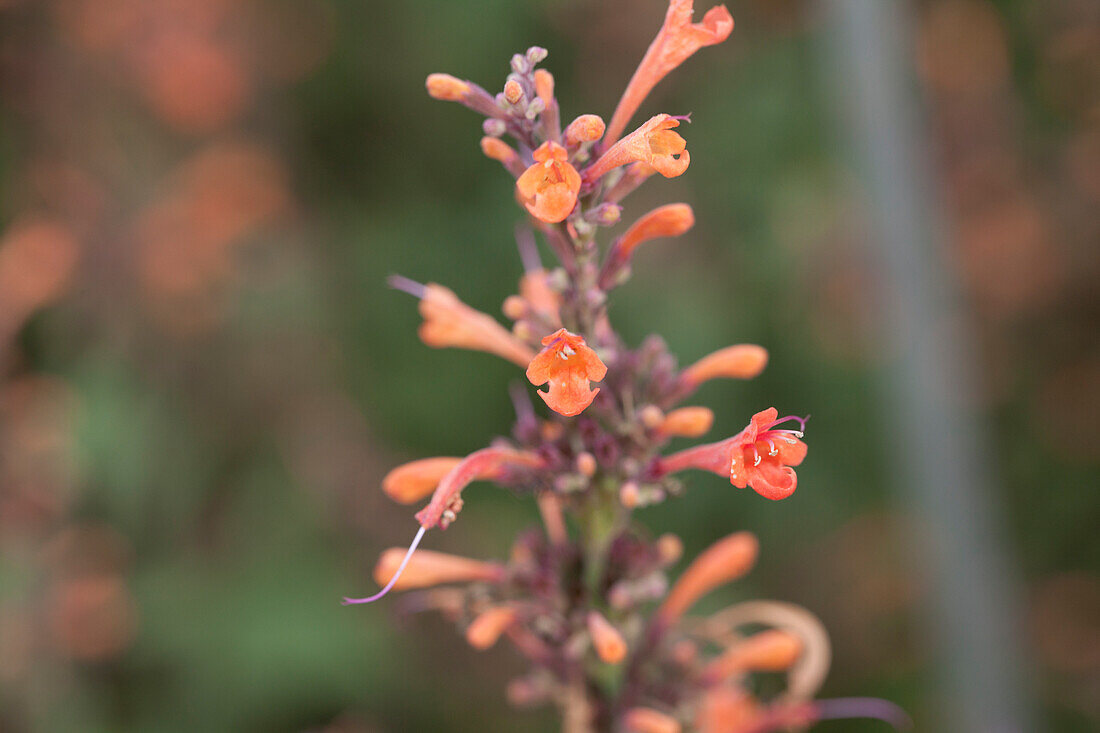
863, 707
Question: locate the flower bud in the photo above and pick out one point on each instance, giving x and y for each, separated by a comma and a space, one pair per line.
427, 568
414, 481
648, 720
725, 560
494, 127
584, 129
652, 416
629, 494
536, 55
740, 361
670, 549
446, 87
586, 464
687, 422
608, 642
484, 630
768, 651
544, 86
514, 307
513, 91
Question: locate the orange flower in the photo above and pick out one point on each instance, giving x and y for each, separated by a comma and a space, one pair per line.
670, 220
728, 709
678, 39
608, 642
549, 188
497, 149
568, 364
544, 86
485, 463
740, 361
760, 456
448, 322
413, 481
725, 560
654, 143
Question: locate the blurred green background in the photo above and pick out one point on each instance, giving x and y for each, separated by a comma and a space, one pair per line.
203, 376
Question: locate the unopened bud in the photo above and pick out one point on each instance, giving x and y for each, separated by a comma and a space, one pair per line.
648, 720
606, 639
536, 55
513, 91
604, 215
670, 549
416, 480
446, 87
535, 108
741, 361
497, 149
725, 560
584, 129
544, 86
652, 416
688, 422
427, 568
484, 630
514, 307
523, 331
520, 64
629, 494
586, 464
494, 127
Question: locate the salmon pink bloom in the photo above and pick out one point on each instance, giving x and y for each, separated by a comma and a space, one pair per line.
740, 361
484, 630
499, 150
486, 463
761, 456
448, 322
446, 87
687, 422
584, 129
549, 188
678, 39
654, 143
568, 364
415, 480
727, 559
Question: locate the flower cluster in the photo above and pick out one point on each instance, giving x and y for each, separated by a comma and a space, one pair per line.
576, 597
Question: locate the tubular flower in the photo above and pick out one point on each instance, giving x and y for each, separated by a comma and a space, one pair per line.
725, 560
448, 322
678, 39
654, 143
485, 463
740, 361
568, 364
413, 481
446, 87
549, 188
428, 568
670, 220
544, 86
760, 456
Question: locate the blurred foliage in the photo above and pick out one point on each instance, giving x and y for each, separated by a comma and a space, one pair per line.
205, 376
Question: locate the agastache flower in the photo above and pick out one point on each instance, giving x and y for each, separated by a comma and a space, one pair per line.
761, 456
484, 630
740, 361
654, 143
448, 322
584, 129
773, 650
413, 481
687, 422
568, 364
678, 39
549, 188
486, 463
499, 150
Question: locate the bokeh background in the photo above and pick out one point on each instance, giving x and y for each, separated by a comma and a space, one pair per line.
203, 376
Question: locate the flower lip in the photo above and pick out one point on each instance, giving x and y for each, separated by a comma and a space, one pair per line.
568, 364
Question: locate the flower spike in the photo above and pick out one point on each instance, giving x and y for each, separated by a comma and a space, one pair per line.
678, 39
549, 188
568, 364
654, 143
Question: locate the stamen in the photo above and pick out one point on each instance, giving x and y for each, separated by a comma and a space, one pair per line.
404, 284
864, 707
756, 459
683, 118
774, 451
393, 580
